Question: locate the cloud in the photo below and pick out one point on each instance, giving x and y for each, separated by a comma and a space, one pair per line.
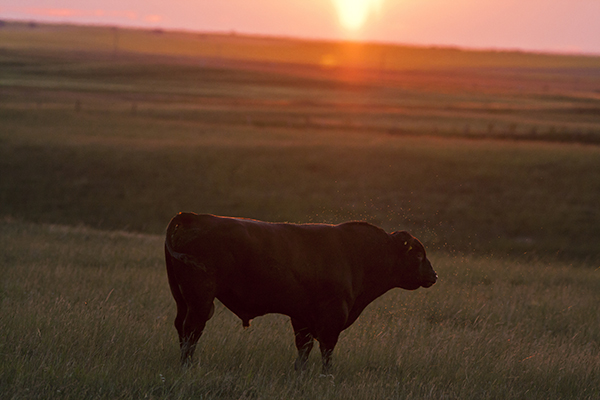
53, 12
153, 18
75, 13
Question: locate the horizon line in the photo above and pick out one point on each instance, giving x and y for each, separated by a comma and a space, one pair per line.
225, 32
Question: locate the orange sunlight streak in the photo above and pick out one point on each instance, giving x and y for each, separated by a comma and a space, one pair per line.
354, 13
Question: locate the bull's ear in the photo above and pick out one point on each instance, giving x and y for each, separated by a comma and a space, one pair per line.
403, 240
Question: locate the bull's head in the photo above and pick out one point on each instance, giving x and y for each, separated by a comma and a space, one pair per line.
415, 268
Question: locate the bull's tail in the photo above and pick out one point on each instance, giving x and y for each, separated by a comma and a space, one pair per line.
173, 281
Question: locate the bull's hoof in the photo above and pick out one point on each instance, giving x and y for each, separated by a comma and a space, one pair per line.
187, 363
300, 366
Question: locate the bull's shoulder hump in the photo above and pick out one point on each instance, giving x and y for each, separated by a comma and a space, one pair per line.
363, 227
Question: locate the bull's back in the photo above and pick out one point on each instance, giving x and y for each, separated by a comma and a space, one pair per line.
264, 267
256, 264
287, 246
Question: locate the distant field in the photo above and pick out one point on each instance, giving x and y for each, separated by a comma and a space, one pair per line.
117, 171
327, 54
273, 82
126, 140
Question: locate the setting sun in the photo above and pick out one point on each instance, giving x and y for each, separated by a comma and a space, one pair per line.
354, 13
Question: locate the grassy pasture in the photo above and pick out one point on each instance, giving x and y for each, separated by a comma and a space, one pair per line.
125, 141
135, 172
488, 157
131, 173
88, 314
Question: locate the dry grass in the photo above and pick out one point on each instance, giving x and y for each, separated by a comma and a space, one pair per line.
88, 314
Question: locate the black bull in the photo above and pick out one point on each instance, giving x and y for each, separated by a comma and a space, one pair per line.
321, 276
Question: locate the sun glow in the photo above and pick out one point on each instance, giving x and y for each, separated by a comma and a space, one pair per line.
354, 13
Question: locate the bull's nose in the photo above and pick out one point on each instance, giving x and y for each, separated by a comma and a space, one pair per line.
431, 281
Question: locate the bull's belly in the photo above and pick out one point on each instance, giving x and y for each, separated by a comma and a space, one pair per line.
259, 304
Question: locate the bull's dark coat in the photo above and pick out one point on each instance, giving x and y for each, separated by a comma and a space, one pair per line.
322, 276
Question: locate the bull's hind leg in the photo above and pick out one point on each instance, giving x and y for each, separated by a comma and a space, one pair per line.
177, 295
304, 344
179, 319
198, 288
192, 329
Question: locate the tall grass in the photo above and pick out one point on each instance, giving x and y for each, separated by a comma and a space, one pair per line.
88, 314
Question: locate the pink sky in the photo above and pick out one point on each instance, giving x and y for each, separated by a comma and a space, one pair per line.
539, 25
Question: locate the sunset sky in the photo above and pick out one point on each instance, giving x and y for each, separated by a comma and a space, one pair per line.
571, 26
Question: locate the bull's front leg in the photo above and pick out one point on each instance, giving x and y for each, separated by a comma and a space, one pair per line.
304, 343
327, 345
332, 321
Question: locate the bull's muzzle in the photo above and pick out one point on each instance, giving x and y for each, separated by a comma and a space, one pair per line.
429, 283
429, 277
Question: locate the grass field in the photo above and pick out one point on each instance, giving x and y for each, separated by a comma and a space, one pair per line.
87, 314
491, 158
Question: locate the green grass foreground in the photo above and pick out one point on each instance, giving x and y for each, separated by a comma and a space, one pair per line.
88, 314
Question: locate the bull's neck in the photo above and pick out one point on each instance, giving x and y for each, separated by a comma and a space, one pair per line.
372, 289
